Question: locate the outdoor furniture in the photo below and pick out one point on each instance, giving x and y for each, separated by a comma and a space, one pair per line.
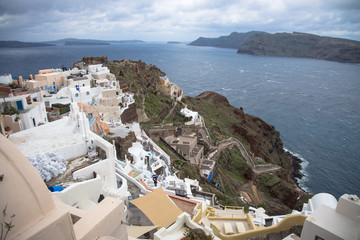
228, 229
240, 227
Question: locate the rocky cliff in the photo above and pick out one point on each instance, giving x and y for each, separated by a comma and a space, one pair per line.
234, 40
301, 45
276, 190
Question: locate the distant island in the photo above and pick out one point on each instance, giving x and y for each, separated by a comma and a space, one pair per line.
76, 41
126, 41
302, 45
85, 43
173, 42
234, 40
18, 44
65, 41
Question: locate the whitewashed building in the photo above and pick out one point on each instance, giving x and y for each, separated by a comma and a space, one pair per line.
30, 113
6, 79
341, 221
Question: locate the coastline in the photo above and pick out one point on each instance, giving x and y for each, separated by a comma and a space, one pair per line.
299, 169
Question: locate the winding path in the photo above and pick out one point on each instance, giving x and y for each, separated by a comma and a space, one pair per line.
172, 109
257, 169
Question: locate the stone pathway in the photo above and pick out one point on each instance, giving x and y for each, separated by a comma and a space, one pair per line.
257, 169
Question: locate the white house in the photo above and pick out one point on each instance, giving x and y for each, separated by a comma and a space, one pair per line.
6, 79
71, 138
31, 113
98, 71
334, 223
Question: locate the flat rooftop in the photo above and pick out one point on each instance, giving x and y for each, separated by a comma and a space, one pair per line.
51, 136
180, 140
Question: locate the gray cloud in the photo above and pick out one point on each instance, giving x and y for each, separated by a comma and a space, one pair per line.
38, 20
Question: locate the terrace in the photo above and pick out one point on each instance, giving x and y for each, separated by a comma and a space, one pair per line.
231, 220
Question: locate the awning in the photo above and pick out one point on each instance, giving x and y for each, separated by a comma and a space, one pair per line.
137, 231
158, 208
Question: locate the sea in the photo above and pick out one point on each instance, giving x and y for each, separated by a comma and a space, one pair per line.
314, 104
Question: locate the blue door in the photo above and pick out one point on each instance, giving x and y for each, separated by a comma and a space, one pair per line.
19, 105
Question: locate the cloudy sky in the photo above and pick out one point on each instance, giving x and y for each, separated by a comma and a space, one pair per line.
181, 20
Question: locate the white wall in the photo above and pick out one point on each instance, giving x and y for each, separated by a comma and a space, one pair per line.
83, 96
104, 169
157, 148
109, 149
73, 151
182, 219
38, 113
100, 168
6, 79
98, 69
310, 230
133, 180
83, 195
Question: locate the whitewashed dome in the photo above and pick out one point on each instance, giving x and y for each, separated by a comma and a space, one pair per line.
323, 199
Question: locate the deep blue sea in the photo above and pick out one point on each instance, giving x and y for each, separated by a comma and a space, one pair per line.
314, 104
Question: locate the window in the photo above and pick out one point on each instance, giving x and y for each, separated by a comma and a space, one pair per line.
87, 93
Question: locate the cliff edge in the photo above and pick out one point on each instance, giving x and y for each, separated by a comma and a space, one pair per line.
300, 45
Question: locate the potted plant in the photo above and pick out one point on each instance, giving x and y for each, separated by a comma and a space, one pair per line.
196, 234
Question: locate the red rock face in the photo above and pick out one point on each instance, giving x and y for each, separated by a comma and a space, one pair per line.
213, 97
122, 144
95, 60
129, 115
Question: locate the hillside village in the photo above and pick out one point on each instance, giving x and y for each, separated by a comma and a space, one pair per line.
78, 148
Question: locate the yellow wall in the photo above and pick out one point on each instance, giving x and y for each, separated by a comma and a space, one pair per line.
285, 224
47, 79
165, 88
9, 122
198, 215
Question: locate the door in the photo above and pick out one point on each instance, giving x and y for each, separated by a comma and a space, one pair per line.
19, 105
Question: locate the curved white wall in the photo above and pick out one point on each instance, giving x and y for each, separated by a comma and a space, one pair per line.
322, 199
